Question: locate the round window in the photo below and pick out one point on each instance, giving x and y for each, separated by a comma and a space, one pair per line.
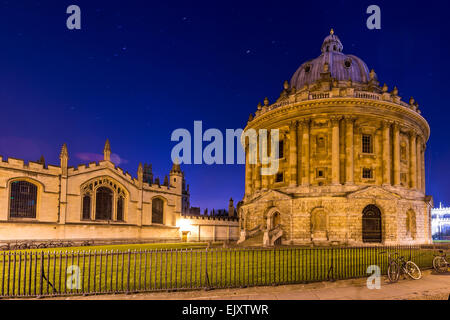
307, 68
348, 63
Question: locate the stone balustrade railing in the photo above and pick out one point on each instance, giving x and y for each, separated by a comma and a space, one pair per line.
337, 94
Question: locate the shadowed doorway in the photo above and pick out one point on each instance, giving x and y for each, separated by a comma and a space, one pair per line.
371, 224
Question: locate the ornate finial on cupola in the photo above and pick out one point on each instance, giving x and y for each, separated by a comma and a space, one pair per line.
293, 89
411, 101
286, 85
331, 43
349, 81
372, 74
107, 151
258, 107
250, 117
395, 91
385, 88
266, 101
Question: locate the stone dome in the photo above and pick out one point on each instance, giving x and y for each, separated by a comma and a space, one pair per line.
341, 67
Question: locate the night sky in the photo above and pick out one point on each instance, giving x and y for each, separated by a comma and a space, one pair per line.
137, 70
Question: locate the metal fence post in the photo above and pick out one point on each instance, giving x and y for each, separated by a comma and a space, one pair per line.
206, 269
41, 280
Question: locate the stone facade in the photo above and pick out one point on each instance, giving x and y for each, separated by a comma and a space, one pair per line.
208, 228
39, 202
351, 166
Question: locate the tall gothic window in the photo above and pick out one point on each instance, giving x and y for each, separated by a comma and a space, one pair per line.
104, 204
367, 143
157, 211
23, 200
87, 207
103, 199
119, 209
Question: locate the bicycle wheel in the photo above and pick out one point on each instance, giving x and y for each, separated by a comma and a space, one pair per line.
413, 270
393, 272
439, 264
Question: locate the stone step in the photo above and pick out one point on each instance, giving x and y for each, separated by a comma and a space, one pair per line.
254, 241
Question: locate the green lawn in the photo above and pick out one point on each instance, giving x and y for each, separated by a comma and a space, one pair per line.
152, 267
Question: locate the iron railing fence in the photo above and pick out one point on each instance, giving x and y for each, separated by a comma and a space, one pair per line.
51, 273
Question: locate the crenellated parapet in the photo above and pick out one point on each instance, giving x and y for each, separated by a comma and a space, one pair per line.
30, 166
209, 218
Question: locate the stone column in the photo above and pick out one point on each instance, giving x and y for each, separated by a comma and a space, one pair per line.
424, 147
413, 160
299, 153
349, 150
293, 153
335, 150
248, 171
265, 178
419, 163
305, 152
396, 155
257, 168
386, 153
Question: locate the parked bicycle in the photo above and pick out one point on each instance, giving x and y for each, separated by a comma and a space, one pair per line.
398, 265
440, 263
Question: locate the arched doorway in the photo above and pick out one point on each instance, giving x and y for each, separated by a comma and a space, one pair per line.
273, 219
371, 224
276, 220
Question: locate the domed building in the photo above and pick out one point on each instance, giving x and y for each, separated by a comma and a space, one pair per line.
351, 167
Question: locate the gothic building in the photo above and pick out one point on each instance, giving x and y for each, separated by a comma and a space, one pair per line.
94, 201
351, 160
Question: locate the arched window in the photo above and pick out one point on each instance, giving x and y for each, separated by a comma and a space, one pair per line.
87, 207
23, 200
157, 210
104, 204
120, 209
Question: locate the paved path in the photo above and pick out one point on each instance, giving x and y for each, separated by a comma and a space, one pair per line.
431, 286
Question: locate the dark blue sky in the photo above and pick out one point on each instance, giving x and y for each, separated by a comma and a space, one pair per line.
137, 70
